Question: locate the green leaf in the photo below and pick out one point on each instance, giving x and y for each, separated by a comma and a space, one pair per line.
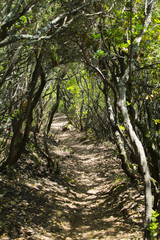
122, 128
156, 121
128, 5
96, 36
99, 53
23, 19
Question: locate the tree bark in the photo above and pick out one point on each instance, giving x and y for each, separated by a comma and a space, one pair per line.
141, 155
19, 140
54, 108
120, 145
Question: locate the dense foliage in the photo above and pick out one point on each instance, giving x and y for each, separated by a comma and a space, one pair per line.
98, 61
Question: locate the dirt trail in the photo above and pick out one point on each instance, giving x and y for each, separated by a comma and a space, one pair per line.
98, 198
90, 198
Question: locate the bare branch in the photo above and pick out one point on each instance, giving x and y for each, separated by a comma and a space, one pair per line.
148, 14
12, 17
47, 30
12, 64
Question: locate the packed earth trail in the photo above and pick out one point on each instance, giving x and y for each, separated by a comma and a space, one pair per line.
90, 198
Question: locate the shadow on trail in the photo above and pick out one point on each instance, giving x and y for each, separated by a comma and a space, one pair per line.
57, 213
90, 199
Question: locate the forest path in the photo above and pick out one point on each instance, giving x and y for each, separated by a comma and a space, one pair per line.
91, 198
93, 207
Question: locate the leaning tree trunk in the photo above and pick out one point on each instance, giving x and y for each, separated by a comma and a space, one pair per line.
54, 108
137, 145
120, 144
141, 156
19, 140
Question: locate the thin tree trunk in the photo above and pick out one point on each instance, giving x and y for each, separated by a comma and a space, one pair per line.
19, 140
30, 118
120, 145
54, 108
141, 155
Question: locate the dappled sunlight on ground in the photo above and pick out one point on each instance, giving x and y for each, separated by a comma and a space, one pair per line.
90, 198
91, 169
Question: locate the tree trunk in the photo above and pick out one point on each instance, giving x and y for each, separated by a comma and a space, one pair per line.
54, 108
30, 118
141, 155
19, 140
120, 145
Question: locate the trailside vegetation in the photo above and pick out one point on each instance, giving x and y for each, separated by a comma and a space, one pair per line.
95, 60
